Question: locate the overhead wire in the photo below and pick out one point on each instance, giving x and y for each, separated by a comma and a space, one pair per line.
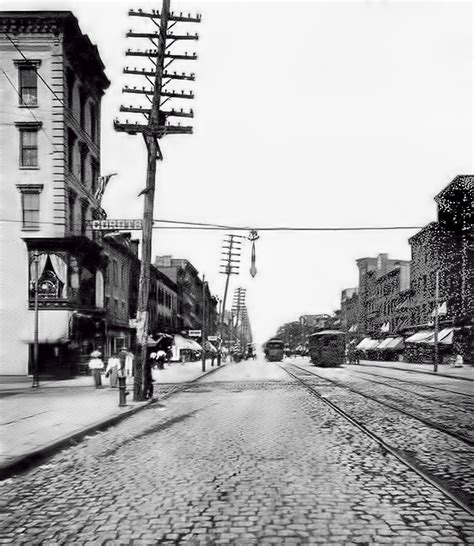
30, 111
184, 225
37, 71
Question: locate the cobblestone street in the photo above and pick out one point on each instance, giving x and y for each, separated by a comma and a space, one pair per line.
246, 455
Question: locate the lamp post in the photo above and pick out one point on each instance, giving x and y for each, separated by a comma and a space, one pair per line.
203, 326
35, 339
436, 323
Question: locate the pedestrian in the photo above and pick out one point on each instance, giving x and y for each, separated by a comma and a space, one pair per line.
96, 365
160, 359
148, 378
122, 356
112, 370
459, 361
129, 364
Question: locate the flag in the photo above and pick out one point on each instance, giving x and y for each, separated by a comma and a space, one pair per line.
102, 182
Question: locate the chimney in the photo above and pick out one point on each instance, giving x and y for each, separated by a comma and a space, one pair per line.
163, 261
382, 263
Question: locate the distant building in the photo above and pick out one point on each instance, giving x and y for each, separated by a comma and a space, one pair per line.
350, 310
446, 246
312, 323
50, 157
190, 295
120, 290
383, 288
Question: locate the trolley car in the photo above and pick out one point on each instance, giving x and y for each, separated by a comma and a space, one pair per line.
274, 349
327, 348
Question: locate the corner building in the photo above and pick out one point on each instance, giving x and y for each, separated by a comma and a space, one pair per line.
50, 155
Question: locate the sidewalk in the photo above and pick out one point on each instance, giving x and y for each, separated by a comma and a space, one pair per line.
36, 422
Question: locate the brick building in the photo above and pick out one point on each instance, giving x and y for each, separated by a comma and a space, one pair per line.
446, 246
384, 286
50, 157
350, 310
190, 294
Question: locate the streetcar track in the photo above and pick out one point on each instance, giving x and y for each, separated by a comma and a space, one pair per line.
414, 383
426, 422
425, 396
399, 454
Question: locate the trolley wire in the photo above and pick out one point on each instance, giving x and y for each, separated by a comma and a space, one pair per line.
186, 225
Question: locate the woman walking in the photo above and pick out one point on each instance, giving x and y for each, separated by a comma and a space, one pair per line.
96, 365
113, 366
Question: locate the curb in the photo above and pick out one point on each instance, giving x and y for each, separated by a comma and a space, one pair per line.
24, 462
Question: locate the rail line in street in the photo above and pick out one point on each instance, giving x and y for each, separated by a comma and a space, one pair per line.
427, 422
460, 500
413, 392
415, 383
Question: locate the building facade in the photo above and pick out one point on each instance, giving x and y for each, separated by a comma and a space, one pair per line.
384, 285
446, 246
191, 296
350, 310
50, 157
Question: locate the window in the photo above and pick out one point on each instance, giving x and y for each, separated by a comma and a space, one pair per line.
28, 82
72, 205
83, 218
93, 122
124, 276
84, 153
93, 176
70, 88
82, 108
115, 273
28, 143
71, 137
30, 205
28, 85
124, 313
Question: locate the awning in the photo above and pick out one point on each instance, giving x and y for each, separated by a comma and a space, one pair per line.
445, 336
181, 342
383, 344
368, 344
391, 344
53, 326
210, 347
419, 337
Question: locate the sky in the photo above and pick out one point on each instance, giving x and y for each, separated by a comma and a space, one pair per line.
321, 114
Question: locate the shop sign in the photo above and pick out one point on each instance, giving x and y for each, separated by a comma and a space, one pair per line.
194, 333
104, 225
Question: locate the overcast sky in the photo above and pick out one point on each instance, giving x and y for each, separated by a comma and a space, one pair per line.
306, 114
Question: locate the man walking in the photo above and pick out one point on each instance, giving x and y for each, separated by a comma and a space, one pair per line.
96, 365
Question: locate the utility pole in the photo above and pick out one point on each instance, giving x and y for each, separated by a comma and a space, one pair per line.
229, 266
436, 322
155, 128
239, 307
203, 325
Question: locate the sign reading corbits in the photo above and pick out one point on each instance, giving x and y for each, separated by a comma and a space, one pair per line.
99, 225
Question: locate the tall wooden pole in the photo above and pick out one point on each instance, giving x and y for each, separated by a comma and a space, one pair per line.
141, 379
436, 323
